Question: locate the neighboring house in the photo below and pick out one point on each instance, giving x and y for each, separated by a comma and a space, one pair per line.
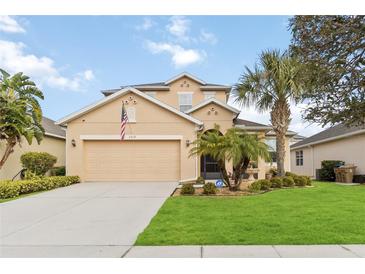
336, 143
296, 138
53, 143
164, 120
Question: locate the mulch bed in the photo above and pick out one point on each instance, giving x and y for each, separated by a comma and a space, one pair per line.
220, 192
226, 192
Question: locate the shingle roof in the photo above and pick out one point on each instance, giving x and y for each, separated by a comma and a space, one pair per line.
51, 128
331, 132
248, 123
288, 133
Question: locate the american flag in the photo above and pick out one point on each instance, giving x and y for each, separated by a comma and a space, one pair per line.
123, 121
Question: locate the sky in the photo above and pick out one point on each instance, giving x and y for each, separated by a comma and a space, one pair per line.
73, 58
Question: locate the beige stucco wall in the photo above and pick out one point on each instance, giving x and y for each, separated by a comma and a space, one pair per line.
351, 150
54, 146
171, 97
151, 119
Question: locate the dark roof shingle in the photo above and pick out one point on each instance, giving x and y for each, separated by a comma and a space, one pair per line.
331, 132
248, 123
51, 128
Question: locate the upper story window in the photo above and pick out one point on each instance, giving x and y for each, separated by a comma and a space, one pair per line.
131, 113
185, 101
299, 157
151, 93
209, 94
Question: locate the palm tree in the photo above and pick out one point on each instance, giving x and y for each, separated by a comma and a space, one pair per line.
236, 146
20, 112
271, 85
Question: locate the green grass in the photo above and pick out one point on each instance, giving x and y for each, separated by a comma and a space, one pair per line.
325, 214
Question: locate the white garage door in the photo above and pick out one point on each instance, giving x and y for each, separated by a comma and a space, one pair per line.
130, 161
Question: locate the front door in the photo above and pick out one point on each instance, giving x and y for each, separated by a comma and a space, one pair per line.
209, 168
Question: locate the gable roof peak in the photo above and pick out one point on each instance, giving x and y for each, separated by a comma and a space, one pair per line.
185, 74
119, 93
216, 101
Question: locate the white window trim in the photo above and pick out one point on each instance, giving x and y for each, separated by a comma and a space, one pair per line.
185, 93
130, 120
299, 155
207, 93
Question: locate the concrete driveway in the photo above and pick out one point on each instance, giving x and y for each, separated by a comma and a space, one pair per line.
82, 220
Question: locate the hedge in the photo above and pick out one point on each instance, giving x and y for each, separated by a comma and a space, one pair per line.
327, 172
12, 189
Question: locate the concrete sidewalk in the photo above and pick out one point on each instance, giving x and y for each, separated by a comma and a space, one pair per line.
248, 251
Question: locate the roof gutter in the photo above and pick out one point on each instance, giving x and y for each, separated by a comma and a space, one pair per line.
254, 127
54, 135
328, 139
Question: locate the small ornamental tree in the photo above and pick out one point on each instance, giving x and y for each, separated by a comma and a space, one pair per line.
20, 112
236, 146
38, 162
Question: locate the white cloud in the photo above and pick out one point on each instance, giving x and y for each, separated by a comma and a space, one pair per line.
41, 69
9, 24
208, 37
89, 75
146, 25
177, 42
181, 57
179, 27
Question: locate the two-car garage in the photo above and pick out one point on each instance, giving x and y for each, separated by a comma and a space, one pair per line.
132, 160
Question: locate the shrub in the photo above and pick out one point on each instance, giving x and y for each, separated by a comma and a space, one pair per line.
58, 171
327, 173
200, 181
11, 189
255, 186
209, 188
273, 171
187, 189
308, 180
288, 181
276, 182
38, 162
264, 184
29, 186
300, 181
291, 174
360, 179
29, 175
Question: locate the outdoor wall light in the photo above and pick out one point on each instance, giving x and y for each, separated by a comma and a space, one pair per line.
188, 143
73, 142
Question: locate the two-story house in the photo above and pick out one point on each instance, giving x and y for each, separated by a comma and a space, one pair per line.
164, 120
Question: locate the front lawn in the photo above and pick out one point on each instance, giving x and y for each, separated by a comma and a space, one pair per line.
325, 214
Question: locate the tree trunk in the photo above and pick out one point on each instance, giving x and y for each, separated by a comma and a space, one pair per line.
238, 171
8, 150
280, 119
222, 168
280, 152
